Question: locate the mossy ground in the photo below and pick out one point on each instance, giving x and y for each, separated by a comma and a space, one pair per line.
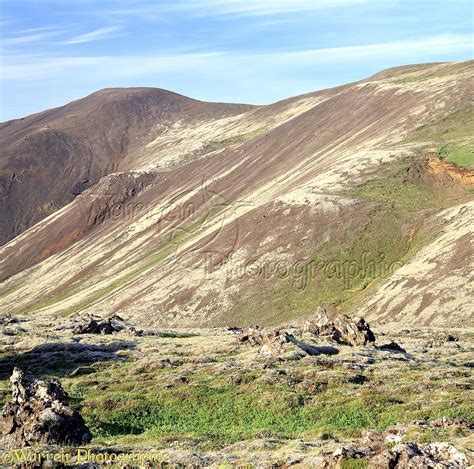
232, 394
201, 390
452, 136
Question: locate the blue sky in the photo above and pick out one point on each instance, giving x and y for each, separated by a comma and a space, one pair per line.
256, 51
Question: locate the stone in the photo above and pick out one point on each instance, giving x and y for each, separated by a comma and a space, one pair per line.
40, 414
440, 339
412, 456
277, 343
96, 327
342, 329
357, 379
107, 326
392, 347
445, 422
8, 319
373, 448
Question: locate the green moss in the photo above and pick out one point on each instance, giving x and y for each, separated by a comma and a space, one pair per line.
460, 156
221, 414
234, 140
355, 464
454, 126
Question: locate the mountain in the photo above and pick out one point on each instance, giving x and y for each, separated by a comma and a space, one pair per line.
47, 159
170, 211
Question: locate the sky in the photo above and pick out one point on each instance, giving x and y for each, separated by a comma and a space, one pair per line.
252, 51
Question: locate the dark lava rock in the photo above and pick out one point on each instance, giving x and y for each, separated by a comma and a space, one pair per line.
357, 379
342, 329
392, 347
412, 455
105, 326
39, 414
96, 327
445, 422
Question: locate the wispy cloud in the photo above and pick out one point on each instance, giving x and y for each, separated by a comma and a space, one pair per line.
27, 39
441, 44
36, 66
100, 33
225, 8
218, 63
37, 30
260, 7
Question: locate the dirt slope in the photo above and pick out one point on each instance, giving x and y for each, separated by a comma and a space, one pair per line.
258, 216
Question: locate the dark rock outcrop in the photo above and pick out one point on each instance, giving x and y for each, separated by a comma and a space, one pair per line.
105, 326
392, 347
373, 447
413, 455
342, 329
279, 343
96, 327
40, 414
445, 422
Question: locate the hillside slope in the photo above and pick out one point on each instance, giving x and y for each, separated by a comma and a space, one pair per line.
49, 158
262, 215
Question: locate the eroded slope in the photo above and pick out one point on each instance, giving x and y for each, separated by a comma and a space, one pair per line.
315, 180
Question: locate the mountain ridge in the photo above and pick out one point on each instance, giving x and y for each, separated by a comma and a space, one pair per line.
307, 178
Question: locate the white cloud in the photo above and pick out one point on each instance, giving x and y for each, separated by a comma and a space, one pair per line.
261, 7
36, 67
414, 48
209, 8
221, 63
101, 33
28, 39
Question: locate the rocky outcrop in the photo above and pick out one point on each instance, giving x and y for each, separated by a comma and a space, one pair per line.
373, 447
107, 326
278, 343
446, 422
40, 414
412, 455
342, 329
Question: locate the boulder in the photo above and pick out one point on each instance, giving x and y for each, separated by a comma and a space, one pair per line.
278, 343
441, 339
445, 422
107, 326
8, 319
96, 327
342, 329
373, 448
413, 455
392, 347
40, 414
254, 335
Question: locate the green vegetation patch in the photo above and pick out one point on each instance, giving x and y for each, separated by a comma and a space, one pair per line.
462, 156
452, 135
140, 408
458, 124
230, 141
